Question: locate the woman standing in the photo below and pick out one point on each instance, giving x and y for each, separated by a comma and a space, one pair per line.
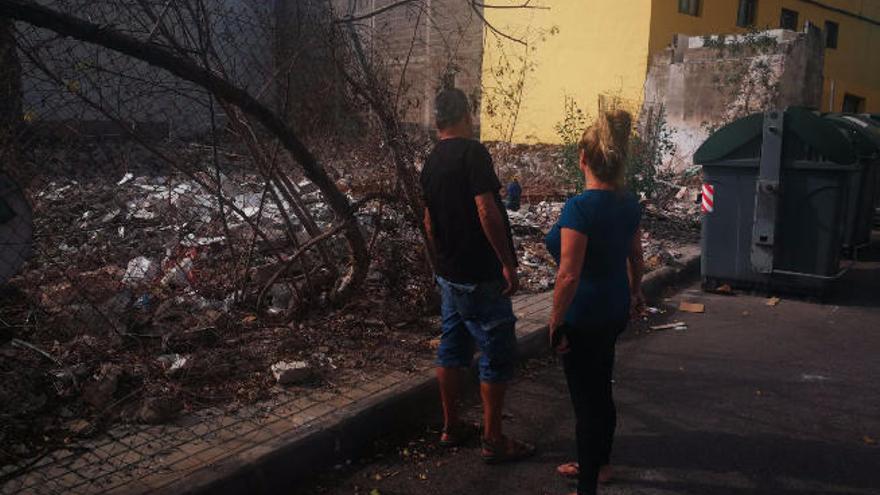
597, 244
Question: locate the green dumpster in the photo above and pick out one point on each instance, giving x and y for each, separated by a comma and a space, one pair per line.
775, 193
864, 184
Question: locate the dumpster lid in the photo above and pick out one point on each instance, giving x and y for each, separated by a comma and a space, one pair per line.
864, 132
819, 134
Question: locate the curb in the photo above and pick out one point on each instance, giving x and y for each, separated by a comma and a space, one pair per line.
276, 466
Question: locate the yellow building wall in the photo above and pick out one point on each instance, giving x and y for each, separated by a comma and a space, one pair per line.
854, 67
599, 47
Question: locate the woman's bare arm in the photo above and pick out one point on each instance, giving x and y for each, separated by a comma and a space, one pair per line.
635, 270
573, 253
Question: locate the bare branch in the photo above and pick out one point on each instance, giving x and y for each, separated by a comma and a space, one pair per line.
350, 18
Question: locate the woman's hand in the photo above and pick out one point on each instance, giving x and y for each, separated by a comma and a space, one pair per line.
637, 304
561, 345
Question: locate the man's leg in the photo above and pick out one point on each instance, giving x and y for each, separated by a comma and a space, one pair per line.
454, 356
450, 380
493, 408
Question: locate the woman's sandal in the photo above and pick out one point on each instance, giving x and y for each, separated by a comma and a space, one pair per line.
458, 435
569, 470
572, 470
505, 450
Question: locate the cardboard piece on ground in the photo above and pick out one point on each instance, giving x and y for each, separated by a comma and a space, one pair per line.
689, 307
773, 301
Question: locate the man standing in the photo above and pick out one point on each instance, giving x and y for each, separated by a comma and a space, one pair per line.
514, 193
476, 272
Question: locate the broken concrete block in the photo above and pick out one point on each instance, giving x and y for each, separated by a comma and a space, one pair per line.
291, 373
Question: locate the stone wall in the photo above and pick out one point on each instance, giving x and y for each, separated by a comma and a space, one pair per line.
704, 82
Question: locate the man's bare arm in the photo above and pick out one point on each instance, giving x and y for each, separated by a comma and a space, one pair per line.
496, 232
429, 230
494, 228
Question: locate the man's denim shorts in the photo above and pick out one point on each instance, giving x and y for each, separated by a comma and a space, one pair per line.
478, 315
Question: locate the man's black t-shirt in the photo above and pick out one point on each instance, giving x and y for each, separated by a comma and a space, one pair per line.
455, 172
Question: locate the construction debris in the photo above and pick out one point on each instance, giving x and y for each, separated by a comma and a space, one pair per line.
292, 373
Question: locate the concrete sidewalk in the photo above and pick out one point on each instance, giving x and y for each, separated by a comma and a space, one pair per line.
750, 399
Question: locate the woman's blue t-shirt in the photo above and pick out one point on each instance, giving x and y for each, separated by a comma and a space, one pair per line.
609, 219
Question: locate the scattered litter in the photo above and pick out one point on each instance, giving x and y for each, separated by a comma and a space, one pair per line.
724, 290
654, 311
291, 373
815, 378
773, 301
678, 325
125, 179
434, 344
689, 307
140, 270
172, 362
179, 274
869, 440
280, 299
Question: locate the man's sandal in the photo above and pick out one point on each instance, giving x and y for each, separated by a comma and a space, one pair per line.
458, 435
505, 450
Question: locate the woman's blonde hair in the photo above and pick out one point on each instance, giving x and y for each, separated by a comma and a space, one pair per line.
605, 145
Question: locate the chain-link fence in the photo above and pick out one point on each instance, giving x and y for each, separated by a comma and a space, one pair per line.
165, 237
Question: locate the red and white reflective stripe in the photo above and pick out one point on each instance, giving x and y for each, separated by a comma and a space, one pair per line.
708, 198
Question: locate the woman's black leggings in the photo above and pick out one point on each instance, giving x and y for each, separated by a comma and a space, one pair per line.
589, 368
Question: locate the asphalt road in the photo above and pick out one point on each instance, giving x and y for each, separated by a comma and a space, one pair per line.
751, 398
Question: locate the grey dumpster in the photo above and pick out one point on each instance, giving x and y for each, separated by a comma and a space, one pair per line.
778, 193
864, 184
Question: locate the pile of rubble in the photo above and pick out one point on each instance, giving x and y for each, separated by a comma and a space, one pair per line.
134, 306
529, 225
665, 231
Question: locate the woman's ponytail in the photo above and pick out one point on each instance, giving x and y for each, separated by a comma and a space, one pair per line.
605, 145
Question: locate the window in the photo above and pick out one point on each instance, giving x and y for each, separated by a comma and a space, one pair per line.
788, 20
689, 7
853, 104
831, 31
748, 12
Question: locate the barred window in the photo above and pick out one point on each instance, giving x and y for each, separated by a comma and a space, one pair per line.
689, 7
747, 14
